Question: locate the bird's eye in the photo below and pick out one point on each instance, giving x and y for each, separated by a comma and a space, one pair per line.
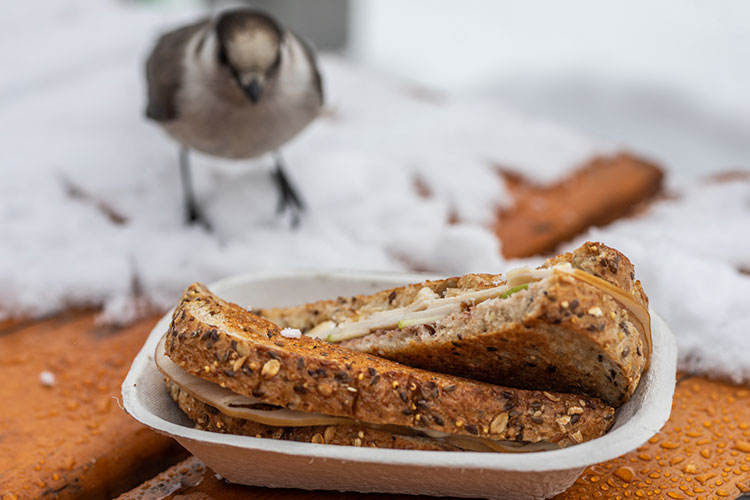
276, 62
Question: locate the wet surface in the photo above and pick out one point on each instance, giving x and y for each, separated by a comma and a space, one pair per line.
64, 434
703, 452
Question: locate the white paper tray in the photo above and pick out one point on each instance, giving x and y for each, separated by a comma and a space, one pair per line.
276, 463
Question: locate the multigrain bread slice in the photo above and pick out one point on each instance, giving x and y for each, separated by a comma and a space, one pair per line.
562, 333
208, 418
226, 344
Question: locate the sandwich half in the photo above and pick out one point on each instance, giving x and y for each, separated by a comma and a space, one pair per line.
579, 323
232, 371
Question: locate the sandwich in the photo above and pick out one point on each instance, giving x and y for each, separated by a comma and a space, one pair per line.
577, 324
233, 371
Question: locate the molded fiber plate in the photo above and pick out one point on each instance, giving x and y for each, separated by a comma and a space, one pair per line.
276, 463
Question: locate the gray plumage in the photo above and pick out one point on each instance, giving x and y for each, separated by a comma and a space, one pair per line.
238, 86
164, 71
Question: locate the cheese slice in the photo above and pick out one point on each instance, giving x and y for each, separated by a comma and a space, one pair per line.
625, 299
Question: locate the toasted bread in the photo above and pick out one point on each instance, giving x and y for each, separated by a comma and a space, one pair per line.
561, 334
225, 344
208, 418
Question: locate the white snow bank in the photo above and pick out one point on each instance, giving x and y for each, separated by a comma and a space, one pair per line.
90, 202
687, 253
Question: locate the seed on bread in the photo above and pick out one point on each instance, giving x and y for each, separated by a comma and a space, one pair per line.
271, 368
577, 437
329, 433
549, 396
238, 363
325, 389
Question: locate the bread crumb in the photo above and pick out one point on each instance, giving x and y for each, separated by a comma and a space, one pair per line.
291, 333
596, 311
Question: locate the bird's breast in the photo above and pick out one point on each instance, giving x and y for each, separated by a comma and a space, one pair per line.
216, 124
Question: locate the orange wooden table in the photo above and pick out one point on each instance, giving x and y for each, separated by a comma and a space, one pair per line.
63, 434
703, 452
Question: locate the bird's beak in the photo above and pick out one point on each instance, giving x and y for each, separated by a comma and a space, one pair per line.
253, 90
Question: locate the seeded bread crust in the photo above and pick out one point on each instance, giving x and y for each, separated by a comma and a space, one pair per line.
606, 263
561, 335
208, 418
225, 344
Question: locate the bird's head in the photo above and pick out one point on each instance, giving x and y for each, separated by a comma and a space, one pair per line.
250, 49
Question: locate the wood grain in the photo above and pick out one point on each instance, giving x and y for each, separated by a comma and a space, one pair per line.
542, 217
70, 439
702, 452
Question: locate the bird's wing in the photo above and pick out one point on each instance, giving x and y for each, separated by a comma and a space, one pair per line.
164, 69
310, 53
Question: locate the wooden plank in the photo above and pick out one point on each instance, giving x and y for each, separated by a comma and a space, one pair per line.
544, 216
63, 434
703, 451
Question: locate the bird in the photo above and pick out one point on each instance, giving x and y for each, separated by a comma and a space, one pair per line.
238, 85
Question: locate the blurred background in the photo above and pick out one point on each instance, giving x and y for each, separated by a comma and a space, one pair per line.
668, 79
425, 101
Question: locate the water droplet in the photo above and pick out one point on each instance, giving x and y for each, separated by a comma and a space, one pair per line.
625, 473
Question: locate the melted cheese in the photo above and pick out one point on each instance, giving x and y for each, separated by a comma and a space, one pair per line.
626, 300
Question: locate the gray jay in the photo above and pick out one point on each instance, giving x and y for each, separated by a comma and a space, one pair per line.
237, 86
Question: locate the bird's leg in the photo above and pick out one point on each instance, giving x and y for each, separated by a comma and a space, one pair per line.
288, 197
193, 215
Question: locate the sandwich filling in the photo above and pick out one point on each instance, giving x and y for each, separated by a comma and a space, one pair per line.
249, 408
428, 307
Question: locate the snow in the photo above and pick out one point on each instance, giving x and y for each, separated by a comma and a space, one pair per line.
291, 333
91, 211
687, 253
47, 379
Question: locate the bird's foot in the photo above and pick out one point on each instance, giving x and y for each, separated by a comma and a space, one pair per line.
195, 217
289, 200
